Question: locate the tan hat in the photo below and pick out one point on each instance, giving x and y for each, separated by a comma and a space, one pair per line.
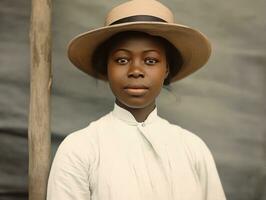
148, 16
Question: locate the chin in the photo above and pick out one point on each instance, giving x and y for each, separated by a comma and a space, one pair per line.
136, 103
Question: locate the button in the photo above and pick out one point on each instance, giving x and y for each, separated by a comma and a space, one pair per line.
143, 124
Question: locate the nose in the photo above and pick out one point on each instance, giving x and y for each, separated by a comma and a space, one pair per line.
136, 70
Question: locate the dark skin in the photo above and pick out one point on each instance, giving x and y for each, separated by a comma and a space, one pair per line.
136, 70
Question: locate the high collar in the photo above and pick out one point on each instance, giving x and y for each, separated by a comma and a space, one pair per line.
124, 115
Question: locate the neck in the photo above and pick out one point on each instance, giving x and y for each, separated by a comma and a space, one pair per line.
140, 114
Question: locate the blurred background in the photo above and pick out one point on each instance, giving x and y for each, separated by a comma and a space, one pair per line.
223, 103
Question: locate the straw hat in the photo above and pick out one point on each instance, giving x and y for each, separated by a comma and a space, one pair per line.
148, 16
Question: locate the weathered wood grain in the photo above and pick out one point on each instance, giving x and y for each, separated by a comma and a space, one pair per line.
39, 139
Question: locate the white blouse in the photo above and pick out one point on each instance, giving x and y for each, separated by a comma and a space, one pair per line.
118, 158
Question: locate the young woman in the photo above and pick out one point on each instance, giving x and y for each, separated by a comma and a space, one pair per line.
132, 153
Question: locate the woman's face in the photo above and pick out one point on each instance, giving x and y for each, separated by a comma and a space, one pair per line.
136, 69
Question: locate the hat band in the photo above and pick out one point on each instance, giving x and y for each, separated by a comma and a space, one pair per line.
138, 18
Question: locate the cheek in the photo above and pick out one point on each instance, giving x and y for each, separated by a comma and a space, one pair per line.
114, 77
111, 69
116, 73
160, 74
158, 78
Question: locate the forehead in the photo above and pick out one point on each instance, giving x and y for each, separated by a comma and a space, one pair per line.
136, 40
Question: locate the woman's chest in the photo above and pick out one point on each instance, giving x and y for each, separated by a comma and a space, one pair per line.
140, 167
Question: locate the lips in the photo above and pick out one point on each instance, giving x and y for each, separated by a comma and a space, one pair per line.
136, 87
136, 90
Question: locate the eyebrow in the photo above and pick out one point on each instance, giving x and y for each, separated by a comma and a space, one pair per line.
145, 51
115, 50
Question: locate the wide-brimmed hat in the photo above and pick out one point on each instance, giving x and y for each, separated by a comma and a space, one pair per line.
148, 16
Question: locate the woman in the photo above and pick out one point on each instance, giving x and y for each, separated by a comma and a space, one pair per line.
132, 153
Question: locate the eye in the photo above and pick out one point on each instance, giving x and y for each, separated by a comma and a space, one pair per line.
122, 61
151, 61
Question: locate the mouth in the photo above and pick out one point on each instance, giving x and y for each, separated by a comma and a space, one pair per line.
136, 90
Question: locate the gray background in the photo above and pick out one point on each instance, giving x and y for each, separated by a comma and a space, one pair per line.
223, 103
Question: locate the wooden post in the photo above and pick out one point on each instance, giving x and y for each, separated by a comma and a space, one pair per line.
39, 137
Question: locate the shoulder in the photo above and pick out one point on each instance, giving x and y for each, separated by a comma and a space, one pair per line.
76, 139
186, 136
77, 147
83, 142
191, 142
196, 148
84, 135
191, 139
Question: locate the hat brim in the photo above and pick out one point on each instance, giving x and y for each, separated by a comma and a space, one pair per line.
192, 44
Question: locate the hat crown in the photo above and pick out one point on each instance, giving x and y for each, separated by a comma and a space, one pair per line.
139, 7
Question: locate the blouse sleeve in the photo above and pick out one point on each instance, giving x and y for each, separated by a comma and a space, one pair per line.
208, 175
69, 174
